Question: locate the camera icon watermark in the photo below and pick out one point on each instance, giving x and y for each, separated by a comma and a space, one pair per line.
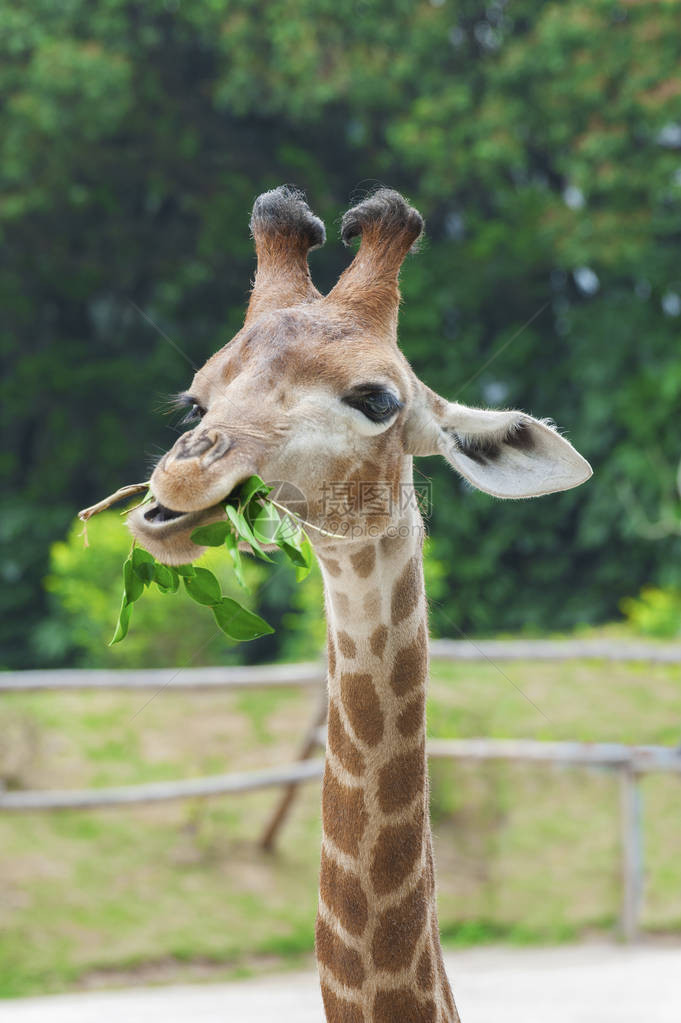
283, 514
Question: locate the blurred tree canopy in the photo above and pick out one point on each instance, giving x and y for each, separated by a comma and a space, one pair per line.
542, 141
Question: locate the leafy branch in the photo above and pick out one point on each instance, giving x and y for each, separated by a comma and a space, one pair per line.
252, 519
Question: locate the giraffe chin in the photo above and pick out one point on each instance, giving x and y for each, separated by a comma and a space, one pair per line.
166, 534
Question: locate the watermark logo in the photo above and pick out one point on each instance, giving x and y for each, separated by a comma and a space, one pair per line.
272, 520
374, 498
347, 509
356, 508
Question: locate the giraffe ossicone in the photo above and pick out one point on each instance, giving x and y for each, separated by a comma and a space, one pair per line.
314, 391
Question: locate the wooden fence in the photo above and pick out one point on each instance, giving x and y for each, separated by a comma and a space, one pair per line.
629, 762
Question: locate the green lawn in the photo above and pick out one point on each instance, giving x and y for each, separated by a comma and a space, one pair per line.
182, 891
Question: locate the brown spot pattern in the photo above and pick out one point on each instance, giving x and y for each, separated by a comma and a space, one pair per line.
362, 706
343, 813
402, 1006
391, 544
406, 591
368, 472
331, 655
343, 893
342, 745
401, 779
346, 644
372, 604
337, 1010
430, 877
378, 639
398, 931
411, 663
412, 717
397, 850
344, 962
332, 566
449, 1001
444, 980
425, 974
340, 469
364, 560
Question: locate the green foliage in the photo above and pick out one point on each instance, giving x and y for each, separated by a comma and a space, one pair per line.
84, 587
655, 612
248, 509
539, 139
203, 587
236, 622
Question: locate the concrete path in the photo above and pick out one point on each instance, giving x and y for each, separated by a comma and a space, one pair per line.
569, 984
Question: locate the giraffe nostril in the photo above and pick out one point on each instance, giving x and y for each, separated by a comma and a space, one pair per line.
191, 446
201, 444
219, 448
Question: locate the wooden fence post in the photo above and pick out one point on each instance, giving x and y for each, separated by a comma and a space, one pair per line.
309, 745
632, 852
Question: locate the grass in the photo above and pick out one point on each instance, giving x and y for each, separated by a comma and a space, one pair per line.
181, 891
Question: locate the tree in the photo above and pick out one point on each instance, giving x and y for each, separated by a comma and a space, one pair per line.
541, 140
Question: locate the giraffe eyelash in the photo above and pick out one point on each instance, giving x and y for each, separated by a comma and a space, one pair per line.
193, 410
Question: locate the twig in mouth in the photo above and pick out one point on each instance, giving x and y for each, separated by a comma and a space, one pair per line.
304, 522
120, 495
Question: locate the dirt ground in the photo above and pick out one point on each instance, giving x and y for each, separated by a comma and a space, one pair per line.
593, 983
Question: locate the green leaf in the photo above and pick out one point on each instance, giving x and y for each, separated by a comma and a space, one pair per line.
203, 587
249, 489
140, 557
143, 565
306, 551
232, 545
166, 578
185, 570
133, 587
212, 535
244, 531
123, 622
265, 523
293, 541
294, 554
237, 623
289, 530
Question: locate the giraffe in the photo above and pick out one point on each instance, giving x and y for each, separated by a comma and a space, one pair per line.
314, 391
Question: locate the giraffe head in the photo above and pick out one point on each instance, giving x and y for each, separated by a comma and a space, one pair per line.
314, 391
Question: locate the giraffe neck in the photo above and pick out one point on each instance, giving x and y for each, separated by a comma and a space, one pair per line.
377, 944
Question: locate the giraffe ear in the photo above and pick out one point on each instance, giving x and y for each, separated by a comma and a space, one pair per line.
506, 454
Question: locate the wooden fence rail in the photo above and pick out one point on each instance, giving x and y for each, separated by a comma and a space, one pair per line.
632, 760
554, 650
161, 791
639, 759
265, 676
311, 673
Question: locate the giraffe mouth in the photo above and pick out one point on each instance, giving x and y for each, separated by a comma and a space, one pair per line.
159, 513
158, 519
166, 532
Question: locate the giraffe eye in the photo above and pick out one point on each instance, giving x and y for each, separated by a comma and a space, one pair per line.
193, 415
375, 403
